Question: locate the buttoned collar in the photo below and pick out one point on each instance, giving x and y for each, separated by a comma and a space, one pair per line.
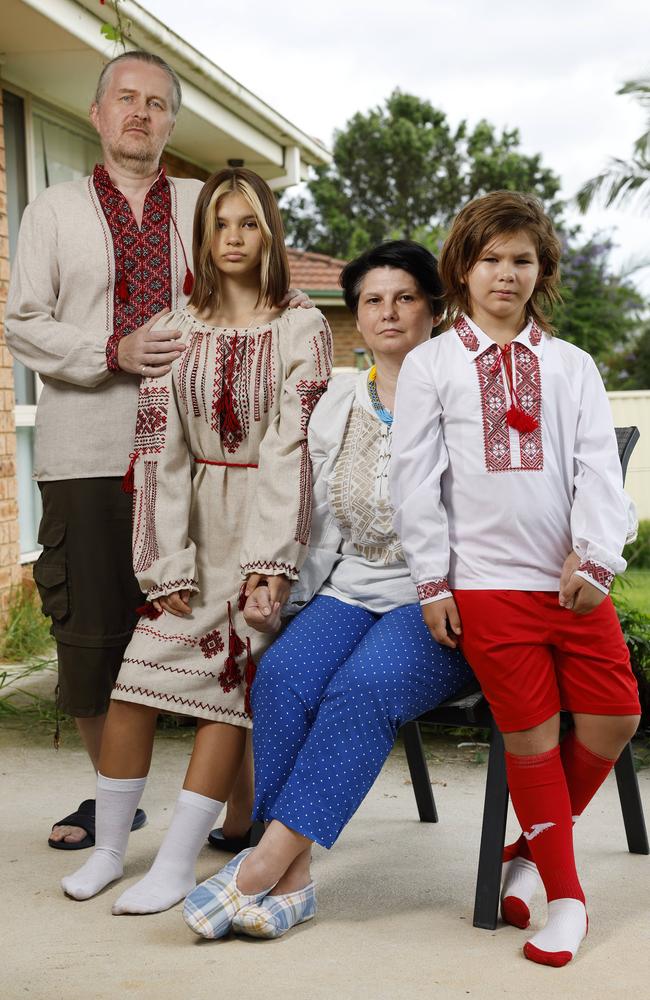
476, 342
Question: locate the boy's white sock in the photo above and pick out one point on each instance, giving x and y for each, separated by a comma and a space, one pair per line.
566, 927
520, 882
171, 877
116, 801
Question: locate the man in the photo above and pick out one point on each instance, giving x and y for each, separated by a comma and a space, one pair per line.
98, 261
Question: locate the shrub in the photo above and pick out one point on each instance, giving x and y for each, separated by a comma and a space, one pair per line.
27, 631
636, 631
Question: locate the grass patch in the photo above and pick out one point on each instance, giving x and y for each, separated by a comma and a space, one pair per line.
27, 630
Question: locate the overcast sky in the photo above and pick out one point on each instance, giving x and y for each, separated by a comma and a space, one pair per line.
550, 69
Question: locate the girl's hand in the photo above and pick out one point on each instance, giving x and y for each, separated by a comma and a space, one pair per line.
176, 603
580, 596
279, 587
260, 613
441, 617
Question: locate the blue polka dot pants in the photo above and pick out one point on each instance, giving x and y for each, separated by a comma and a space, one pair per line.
328, 699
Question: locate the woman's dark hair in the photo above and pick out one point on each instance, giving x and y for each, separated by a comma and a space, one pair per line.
403, 254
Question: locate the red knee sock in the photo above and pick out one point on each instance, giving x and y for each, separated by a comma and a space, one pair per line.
540, 796
585, 772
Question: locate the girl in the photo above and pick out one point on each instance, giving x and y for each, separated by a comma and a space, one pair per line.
222, 492
504, 461
358, 661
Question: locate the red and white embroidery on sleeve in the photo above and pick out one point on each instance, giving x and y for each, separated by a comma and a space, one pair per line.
433, 590
597, 575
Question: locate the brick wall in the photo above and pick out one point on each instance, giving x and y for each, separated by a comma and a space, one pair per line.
344, 334
10, 573
176, 167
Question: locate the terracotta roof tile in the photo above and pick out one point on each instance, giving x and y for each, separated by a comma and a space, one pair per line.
314, 271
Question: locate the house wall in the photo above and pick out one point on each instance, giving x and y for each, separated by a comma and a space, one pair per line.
632, 408
10, 574
344, 334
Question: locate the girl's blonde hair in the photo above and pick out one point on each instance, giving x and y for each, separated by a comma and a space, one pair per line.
274, 265
480, 223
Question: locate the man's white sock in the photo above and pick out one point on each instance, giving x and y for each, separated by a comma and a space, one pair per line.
116, 801
171, 877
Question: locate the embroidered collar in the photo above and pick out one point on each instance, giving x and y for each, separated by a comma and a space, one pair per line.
476, 342
104, 185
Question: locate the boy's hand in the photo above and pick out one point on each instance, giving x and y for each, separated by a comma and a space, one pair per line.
440, 617
571, 564
580, 596
261, 613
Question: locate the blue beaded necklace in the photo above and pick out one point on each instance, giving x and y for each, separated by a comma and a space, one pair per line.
384, 415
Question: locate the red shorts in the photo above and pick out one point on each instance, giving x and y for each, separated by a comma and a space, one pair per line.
533, 658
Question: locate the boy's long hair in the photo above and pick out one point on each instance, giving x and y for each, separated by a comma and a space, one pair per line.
274, 266
480, 223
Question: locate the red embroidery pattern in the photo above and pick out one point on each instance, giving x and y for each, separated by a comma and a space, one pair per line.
186, 671
466, 334
145, 541
186, 640
151, 420
230, 401
264, 382
535, 334
433, 589
303, 527
494, 407
309, 394
196, 351
496, 437
178, 700
321, 349
141, 255
600, 574
275, 568
529, 392
211, 644
170, 587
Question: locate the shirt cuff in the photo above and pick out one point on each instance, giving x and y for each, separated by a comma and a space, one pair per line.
598, 576
111, 353
433, 590
272, 568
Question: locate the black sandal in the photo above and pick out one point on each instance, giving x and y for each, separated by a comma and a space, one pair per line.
85, 818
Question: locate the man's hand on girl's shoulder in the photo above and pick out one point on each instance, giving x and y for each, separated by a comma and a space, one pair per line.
443, 621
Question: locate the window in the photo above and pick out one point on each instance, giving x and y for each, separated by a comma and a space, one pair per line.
43, 147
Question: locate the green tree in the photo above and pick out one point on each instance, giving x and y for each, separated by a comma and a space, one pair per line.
401, 170
601, 310
625, 181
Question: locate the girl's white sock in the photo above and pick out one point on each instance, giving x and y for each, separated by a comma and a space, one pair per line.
116, 801
171, 877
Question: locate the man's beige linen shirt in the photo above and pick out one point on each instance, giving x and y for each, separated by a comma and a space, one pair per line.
59, 316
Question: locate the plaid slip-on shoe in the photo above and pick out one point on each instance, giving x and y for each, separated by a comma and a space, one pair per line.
276, 915
209, 909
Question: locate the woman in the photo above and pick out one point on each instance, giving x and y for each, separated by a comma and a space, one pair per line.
222, 491
358, 661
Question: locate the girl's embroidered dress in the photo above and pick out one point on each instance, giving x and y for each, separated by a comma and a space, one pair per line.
221, 484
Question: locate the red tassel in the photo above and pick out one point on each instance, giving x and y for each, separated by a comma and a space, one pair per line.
229, 678
521, 421
242, 597
148, 611
235, 645
123, 290
229, 420
188, 282
249, 677
128, 483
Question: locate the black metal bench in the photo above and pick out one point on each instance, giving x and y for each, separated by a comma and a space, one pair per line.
469, 708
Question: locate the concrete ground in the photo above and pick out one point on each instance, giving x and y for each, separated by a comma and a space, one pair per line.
395, 900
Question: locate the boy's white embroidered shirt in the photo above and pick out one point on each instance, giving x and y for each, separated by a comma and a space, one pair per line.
485, 507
